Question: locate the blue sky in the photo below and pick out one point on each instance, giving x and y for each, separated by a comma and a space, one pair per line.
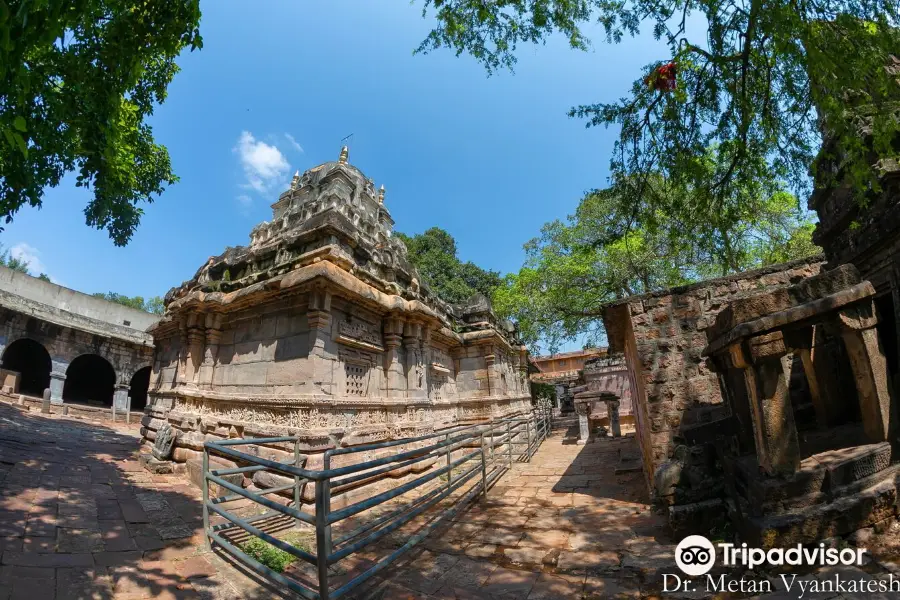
489, 159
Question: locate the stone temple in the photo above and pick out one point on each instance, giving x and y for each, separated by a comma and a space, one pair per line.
321, 328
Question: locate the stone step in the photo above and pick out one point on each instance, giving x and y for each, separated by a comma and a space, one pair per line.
821, 479
195, 474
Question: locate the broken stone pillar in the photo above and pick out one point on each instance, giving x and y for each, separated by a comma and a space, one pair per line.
584, 423
869, 369
812, 346
120, 397
393, 365
45, 403
766, 364
612, 409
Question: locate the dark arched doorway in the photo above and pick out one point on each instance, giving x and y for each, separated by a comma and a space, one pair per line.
32, 361
140, 382
90, 379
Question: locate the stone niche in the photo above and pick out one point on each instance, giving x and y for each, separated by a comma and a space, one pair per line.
321, 329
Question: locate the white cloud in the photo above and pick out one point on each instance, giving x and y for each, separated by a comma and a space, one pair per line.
264, 165
294, 142
30, 255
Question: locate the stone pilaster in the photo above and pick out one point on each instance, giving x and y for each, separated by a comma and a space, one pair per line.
765, 362
490, 377
180, 375
196, 340
319, 318
211, 353
395, 377
857, 326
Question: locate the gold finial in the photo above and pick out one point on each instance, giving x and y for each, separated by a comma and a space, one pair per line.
345, 153
381, 194
295, 181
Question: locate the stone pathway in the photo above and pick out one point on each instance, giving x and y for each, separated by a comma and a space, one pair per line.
80, 519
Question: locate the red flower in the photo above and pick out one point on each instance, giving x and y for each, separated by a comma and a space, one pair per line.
663, 78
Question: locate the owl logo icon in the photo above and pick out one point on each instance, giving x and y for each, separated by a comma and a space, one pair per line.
695, 555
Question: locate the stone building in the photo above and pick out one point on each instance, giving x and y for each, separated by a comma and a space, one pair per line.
320, 328
91, 353
603, 396
663, 336
563, 371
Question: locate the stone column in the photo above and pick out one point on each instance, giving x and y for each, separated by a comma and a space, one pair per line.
395, 377
415, 364
869, 369
180, 375
821, 374
612, 409
489, 360
57, 383
584, 423
766, 364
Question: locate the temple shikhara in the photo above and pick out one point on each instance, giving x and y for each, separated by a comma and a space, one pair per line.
320, 328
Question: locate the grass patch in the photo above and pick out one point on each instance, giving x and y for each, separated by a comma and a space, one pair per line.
276, 558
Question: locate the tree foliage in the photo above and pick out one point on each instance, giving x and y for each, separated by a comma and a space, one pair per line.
433, 253
151, 305
598, 255
756, 85
12, 262
78, 79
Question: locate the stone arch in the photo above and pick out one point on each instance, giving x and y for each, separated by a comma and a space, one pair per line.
138, 386
90, 379
32, 361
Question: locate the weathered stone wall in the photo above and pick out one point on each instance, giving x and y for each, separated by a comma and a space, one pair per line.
663, 335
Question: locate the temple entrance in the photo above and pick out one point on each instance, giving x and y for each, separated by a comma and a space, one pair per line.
32, 361
90, 379
140, 382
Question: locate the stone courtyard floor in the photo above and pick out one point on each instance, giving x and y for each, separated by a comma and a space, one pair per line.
80, 519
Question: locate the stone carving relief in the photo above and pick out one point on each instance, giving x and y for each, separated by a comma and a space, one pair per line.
359, 332
164, 443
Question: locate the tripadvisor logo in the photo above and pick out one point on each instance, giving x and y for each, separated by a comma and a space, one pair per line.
695, 555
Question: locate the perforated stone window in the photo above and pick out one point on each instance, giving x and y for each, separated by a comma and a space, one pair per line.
357, 379
437, 384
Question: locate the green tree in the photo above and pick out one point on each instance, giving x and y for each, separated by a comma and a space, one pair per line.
759, 83
433, 253
12, 262
45, 277
598, 255
153, 305
78, 79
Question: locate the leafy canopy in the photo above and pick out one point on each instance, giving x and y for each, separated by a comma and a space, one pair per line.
433, 253
755, 85
153, 305
598, 255
78, 79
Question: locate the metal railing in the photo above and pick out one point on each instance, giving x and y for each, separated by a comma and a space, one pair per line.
468, 459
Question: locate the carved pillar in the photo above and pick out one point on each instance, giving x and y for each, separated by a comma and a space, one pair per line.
612, 409
415, 364
766, 364
821, 373
869, 369
395, 377
180, 375
211, 353
584, 422
489, 361
426, 358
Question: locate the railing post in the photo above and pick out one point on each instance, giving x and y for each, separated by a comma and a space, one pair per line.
449, 471
323, 529
509, 442
492, 440
528, 438
297, 479
205, 488
483, 468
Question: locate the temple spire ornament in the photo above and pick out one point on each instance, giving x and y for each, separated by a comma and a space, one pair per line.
381, 194
295, 181
345, 153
